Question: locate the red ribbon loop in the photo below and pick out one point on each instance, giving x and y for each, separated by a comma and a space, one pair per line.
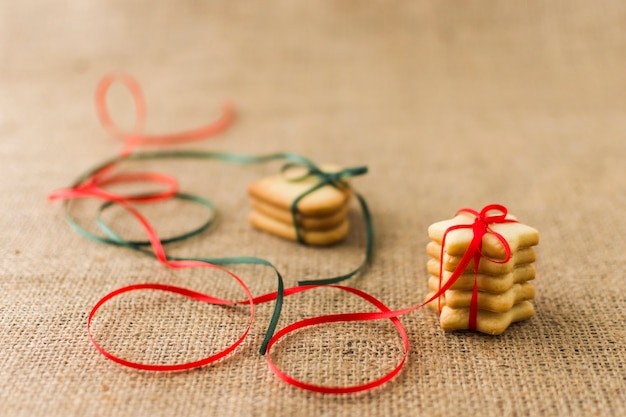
385, 312
136, 137
186, 293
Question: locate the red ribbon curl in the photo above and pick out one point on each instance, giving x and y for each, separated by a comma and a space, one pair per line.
136, 137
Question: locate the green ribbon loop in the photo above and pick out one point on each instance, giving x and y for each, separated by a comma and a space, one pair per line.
335, 179
369, 249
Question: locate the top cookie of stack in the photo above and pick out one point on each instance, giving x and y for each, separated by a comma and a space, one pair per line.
321, 215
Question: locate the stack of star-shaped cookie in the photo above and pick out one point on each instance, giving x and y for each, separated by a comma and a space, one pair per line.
504, 289
321, 215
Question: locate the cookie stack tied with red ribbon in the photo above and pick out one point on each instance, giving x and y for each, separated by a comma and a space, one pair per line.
299, 196
480, 270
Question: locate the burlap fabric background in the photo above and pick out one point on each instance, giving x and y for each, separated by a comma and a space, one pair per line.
450, 104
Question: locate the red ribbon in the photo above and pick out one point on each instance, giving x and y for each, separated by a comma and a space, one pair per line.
385, 312
136, 137
94, 187
479, 227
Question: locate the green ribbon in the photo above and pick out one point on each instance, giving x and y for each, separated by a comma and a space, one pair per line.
335, 179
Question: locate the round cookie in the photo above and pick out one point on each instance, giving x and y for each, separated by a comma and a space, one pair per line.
311, 237
278, 190
325, 222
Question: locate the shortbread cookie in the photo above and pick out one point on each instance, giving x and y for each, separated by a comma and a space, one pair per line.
487, 283
485, 266
516, 234
325, 222
312, 237
281, 192
498, 303
486, 321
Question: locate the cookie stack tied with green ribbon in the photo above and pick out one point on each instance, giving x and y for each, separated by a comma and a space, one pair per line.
320, 215
504, 289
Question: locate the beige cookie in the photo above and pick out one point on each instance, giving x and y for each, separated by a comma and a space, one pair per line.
486, 321
517, 235
485, 266
488, 283
325, 222
279, 191
498, 303
312, 237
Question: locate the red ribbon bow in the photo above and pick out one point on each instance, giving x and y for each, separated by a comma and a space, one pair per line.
480, 227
